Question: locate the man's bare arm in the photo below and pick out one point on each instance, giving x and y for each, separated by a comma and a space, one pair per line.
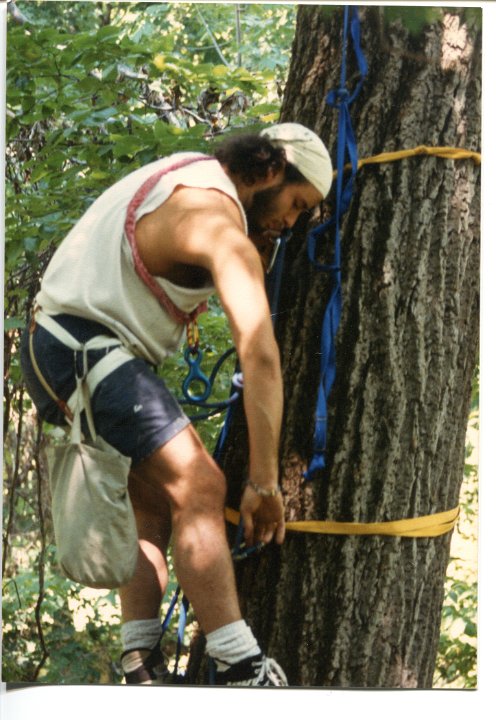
209, 234
238, 277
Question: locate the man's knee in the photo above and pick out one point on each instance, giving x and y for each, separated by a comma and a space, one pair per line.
183, 475
200, 487
154, 528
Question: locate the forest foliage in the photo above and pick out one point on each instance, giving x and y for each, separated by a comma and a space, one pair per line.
95, 90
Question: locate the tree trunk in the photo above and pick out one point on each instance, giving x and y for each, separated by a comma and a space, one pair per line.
358, 611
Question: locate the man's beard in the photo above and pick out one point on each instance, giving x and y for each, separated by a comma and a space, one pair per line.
260, 210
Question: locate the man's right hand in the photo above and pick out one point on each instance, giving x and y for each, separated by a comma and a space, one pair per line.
263, 517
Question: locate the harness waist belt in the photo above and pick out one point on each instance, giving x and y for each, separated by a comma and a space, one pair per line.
85, 384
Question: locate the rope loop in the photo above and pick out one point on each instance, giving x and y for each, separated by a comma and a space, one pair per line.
346, 148
338, 97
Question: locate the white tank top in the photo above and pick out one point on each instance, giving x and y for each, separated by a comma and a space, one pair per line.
92, 275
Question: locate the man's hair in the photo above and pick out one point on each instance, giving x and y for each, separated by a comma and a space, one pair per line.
251, 157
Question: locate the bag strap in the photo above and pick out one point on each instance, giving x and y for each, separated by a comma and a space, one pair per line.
73, 415
60, 403
110, 362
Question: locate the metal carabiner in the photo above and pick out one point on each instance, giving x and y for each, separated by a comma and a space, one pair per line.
193, 357
242, 551
273, 257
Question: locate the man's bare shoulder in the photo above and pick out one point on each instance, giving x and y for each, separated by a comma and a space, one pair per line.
195, 226
203, 201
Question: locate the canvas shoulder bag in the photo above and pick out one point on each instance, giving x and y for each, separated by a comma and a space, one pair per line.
94, 524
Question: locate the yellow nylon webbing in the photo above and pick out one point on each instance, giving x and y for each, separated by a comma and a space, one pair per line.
425, 526
447, 153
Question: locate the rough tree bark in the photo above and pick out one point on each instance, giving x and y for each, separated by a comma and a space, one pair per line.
365, 611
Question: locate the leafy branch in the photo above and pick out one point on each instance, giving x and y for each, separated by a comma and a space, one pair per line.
212, 37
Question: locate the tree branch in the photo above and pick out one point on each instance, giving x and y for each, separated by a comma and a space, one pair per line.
238, 32
15, 480
211, 36
16, 14
41, 558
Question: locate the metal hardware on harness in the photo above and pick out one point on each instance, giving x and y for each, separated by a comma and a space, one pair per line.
242, 551
193, 358
193, 335
277, 245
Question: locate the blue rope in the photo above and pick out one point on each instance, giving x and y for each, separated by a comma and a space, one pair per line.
346, 148
183, 609
183, 615
170, 610
193, 358
181, 628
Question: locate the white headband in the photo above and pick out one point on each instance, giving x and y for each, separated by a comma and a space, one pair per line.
305, 150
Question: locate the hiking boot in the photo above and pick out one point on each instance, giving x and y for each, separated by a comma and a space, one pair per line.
143, 666
258, 671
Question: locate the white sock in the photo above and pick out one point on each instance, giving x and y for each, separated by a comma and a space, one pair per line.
141, 633
231, 643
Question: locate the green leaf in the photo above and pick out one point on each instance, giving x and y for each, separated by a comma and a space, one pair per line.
13, 323
220, 71
127, 145
161, 130
471, 629
39, 172
108, 33
30, 243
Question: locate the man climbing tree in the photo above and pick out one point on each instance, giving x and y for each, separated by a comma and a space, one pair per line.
343, 610
358, 610
143, 259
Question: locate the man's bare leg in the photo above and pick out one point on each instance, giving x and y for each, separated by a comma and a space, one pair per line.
142, 596
181, 481
142, 660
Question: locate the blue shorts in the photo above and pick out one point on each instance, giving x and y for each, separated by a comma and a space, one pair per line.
132, 408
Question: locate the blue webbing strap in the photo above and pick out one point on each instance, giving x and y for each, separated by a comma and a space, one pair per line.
346, 147
183, 614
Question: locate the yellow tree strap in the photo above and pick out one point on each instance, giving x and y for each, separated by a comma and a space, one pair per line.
425, 526
448, 153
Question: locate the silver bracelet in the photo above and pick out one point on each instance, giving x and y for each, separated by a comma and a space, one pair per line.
263, 491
